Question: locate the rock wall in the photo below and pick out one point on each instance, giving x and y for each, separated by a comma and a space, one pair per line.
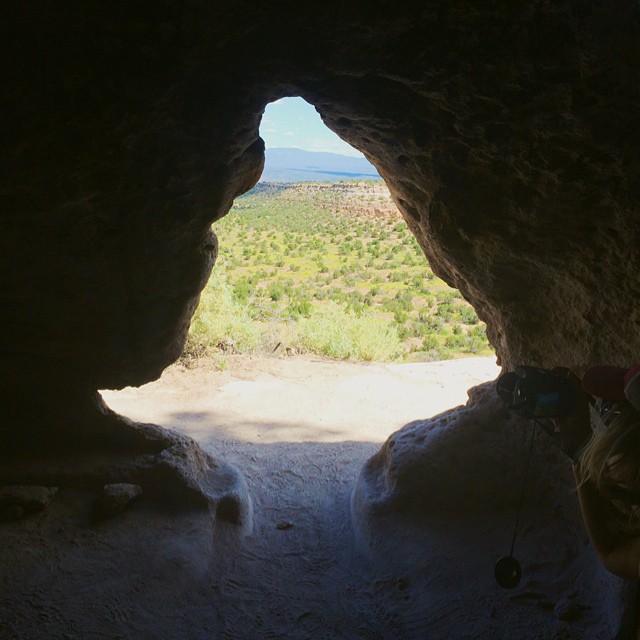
446, 497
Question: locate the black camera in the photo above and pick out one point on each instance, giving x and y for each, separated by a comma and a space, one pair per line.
536, 393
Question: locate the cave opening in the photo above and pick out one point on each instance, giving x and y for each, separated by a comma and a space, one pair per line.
318, 280
316, 261
317, 258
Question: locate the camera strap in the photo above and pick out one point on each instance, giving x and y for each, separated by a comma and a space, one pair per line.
522, 489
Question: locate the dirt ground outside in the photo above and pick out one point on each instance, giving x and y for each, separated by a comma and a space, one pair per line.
299, 399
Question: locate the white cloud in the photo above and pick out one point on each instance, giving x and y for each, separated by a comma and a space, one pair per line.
290, 133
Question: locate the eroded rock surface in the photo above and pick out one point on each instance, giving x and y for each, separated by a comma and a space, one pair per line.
438, 505
19, 501
140, 574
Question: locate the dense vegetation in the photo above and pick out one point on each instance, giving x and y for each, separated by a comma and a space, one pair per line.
330, 269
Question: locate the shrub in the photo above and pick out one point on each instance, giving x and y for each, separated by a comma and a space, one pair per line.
419, 329
243, 289
455, 342
430, 342
477, 340
275, 291
332, 331
320, 294
400, 316
405, 299
445, 311
300, 307
468, 315
220, 322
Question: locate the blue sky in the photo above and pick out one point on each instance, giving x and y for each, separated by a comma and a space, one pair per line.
292, 122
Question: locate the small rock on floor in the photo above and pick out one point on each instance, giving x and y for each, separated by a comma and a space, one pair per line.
117, 497
18, 501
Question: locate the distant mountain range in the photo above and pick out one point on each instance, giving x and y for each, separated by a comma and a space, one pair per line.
297, 165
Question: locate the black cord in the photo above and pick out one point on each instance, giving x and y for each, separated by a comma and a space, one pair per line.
524, 483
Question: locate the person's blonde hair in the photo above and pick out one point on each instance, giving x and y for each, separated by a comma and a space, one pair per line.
611, 461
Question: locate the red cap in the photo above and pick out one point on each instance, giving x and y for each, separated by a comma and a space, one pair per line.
614, 383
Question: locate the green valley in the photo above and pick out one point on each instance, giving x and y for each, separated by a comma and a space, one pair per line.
332, 269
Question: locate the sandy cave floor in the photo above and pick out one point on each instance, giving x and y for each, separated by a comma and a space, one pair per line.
300, 429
